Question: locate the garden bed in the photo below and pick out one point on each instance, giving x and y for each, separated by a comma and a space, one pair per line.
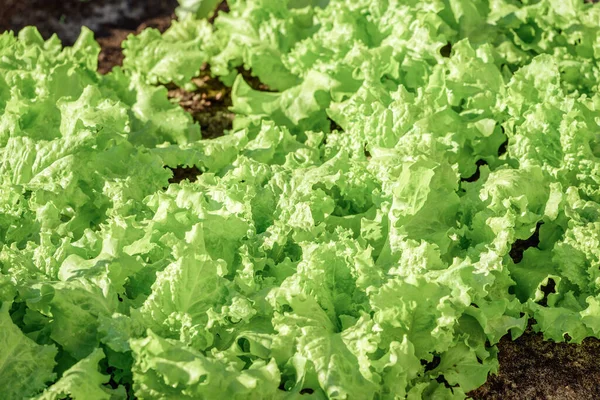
529, 366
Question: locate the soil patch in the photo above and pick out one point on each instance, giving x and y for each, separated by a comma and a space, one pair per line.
208, 104
66, 17
531, 368
182, 173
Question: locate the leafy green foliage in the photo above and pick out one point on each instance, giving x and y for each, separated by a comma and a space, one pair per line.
350, 237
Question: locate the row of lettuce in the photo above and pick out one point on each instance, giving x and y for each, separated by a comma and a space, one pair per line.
356, 262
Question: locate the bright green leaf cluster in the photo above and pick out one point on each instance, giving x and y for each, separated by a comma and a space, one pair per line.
353, 235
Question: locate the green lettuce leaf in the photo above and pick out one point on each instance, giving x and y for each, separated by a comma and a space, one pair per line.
83, 381
25, 366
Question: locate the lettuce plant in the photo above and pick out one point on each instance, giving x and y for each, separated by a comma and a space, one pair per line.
353, 236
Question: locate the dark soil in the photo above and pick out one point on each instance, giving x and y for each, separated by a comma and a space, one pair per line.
520, 245
66, 17
530, 368
209, 104
182, 173
111, 54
